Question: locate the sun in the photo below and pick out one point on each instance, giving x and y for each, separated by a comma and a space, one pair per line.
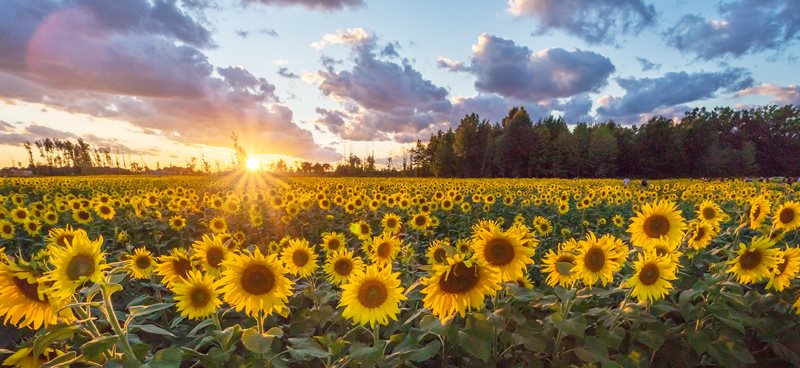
252, 164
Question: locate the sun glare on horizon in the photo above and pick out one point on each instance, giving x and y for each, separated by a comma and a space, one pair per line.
252, 164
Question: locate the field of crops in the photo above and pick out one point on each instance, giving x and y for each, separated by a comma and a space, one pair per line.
255, 270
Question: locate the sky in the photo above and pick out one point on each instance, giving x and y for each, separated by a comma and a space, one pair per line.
161, 81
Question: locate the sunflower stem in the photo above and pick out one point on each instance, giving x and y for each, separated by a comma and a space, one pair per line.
619, 311
108, 309
376, 334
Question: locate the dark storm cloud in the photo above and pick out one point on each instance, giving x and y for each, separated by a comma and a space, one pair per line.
323, 5
745, 27
595, 21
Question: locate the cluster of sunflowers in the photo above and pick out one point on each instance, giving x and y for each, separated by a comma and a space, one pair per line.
390, 252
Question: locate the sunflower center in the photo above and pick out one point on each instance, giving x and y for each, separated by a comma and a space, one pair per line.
372, 294
460, 279
364, 229
391, 223
257, 279
786, 216
7, 229
142, 262
420, 220
656, 226
709, 213
105, 210
343, 267
649, 274
439, 255
334, 244
662, 251
701, 232
750, 259
214, 256
756, 211
595, 259
782, 265
29, 290
499, 252
80, 265
83, 215
199, 297
300, 257
182, 266
384, 250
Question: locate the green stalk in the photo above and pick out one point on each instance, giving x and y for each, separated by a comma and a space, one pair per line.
122, 336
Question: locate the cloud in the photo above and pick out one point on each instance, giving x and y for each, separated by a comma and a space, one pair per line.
789, 95
155, 77
645, 95
263, 31
595, 21
349, 36
284, 72
745, 27
648, 65
6, 127
451, 65
576, 109
503, 67
322, 5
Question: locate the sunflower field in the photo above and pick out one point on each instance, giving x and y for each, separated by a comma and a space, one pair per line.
259, 271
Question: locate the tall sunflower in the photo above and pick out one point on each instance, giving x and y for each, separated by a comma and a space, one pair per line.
80, 261
140, 263
754, 262
218, 225
299, 258
787, 216
341, 265
333, 242
197, 296
786, 269
504, 250
710, 212
559, 268
457, 286
657, 220
174, 266
210, 252
25, 301
420, 221
383, 248
651, 277
255, 283
596, 261
372, 297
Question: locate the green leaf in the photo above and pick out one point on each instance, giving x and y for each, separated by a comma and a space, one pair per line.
50, 336
98, 345
140, 311
201, 326
476, 342
153, 329
166, 358
530, 338
650, 338
367, 355
429, 351
304, 348
256, 342
574, 326
63, 360
564, 294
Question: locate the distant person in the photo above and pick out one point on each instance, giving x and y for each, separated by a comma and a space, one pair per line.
644, 183
626, 181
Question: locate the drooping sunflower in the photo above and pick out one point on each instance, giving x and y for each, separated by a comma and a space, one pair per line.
391, 223
333, 242
300, 259
7, 230
559, 268
141, 263
651, 277
596, 261
80, 261
255, 283
459, 285
758, 212
710, 212
218, 225
24, 300
504, 250
341, 266
754, 262
197, 295
786, 269
787, 216
657, 220
210, 252
438, 252
383, 248
174, 266
701, 233
373, 296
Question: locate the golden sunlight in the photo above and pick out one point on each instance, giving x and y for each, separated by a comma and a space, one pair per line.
252, 164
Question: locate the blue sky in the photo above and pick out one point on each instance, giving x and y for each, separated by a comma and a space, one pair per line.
165, 80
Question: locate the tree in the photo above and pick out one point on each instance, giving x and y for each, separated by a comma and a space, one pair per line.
602, 152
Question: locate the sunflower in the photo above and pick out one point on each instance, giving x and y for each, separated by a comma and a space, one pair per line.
755, 262
7, 230
32, 227
62, 237
657, 220
333, 242
177, 222
82, 217
438, 252
651, 277
786, 269
218, 225
197, 295
759, 210
391, 223
459, 285
20, 215
372, 297
255, 283
464, 247
299, 258
80, 261
504, 250
383, 248
559, 268
420, 221
140, 263
210, 252
617, 220
596, 261
50, 218
701, 233
23, 358
361, 229
175, 266
24, 300
787, 216
710, 212
104, 211
524, 282
341, 265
